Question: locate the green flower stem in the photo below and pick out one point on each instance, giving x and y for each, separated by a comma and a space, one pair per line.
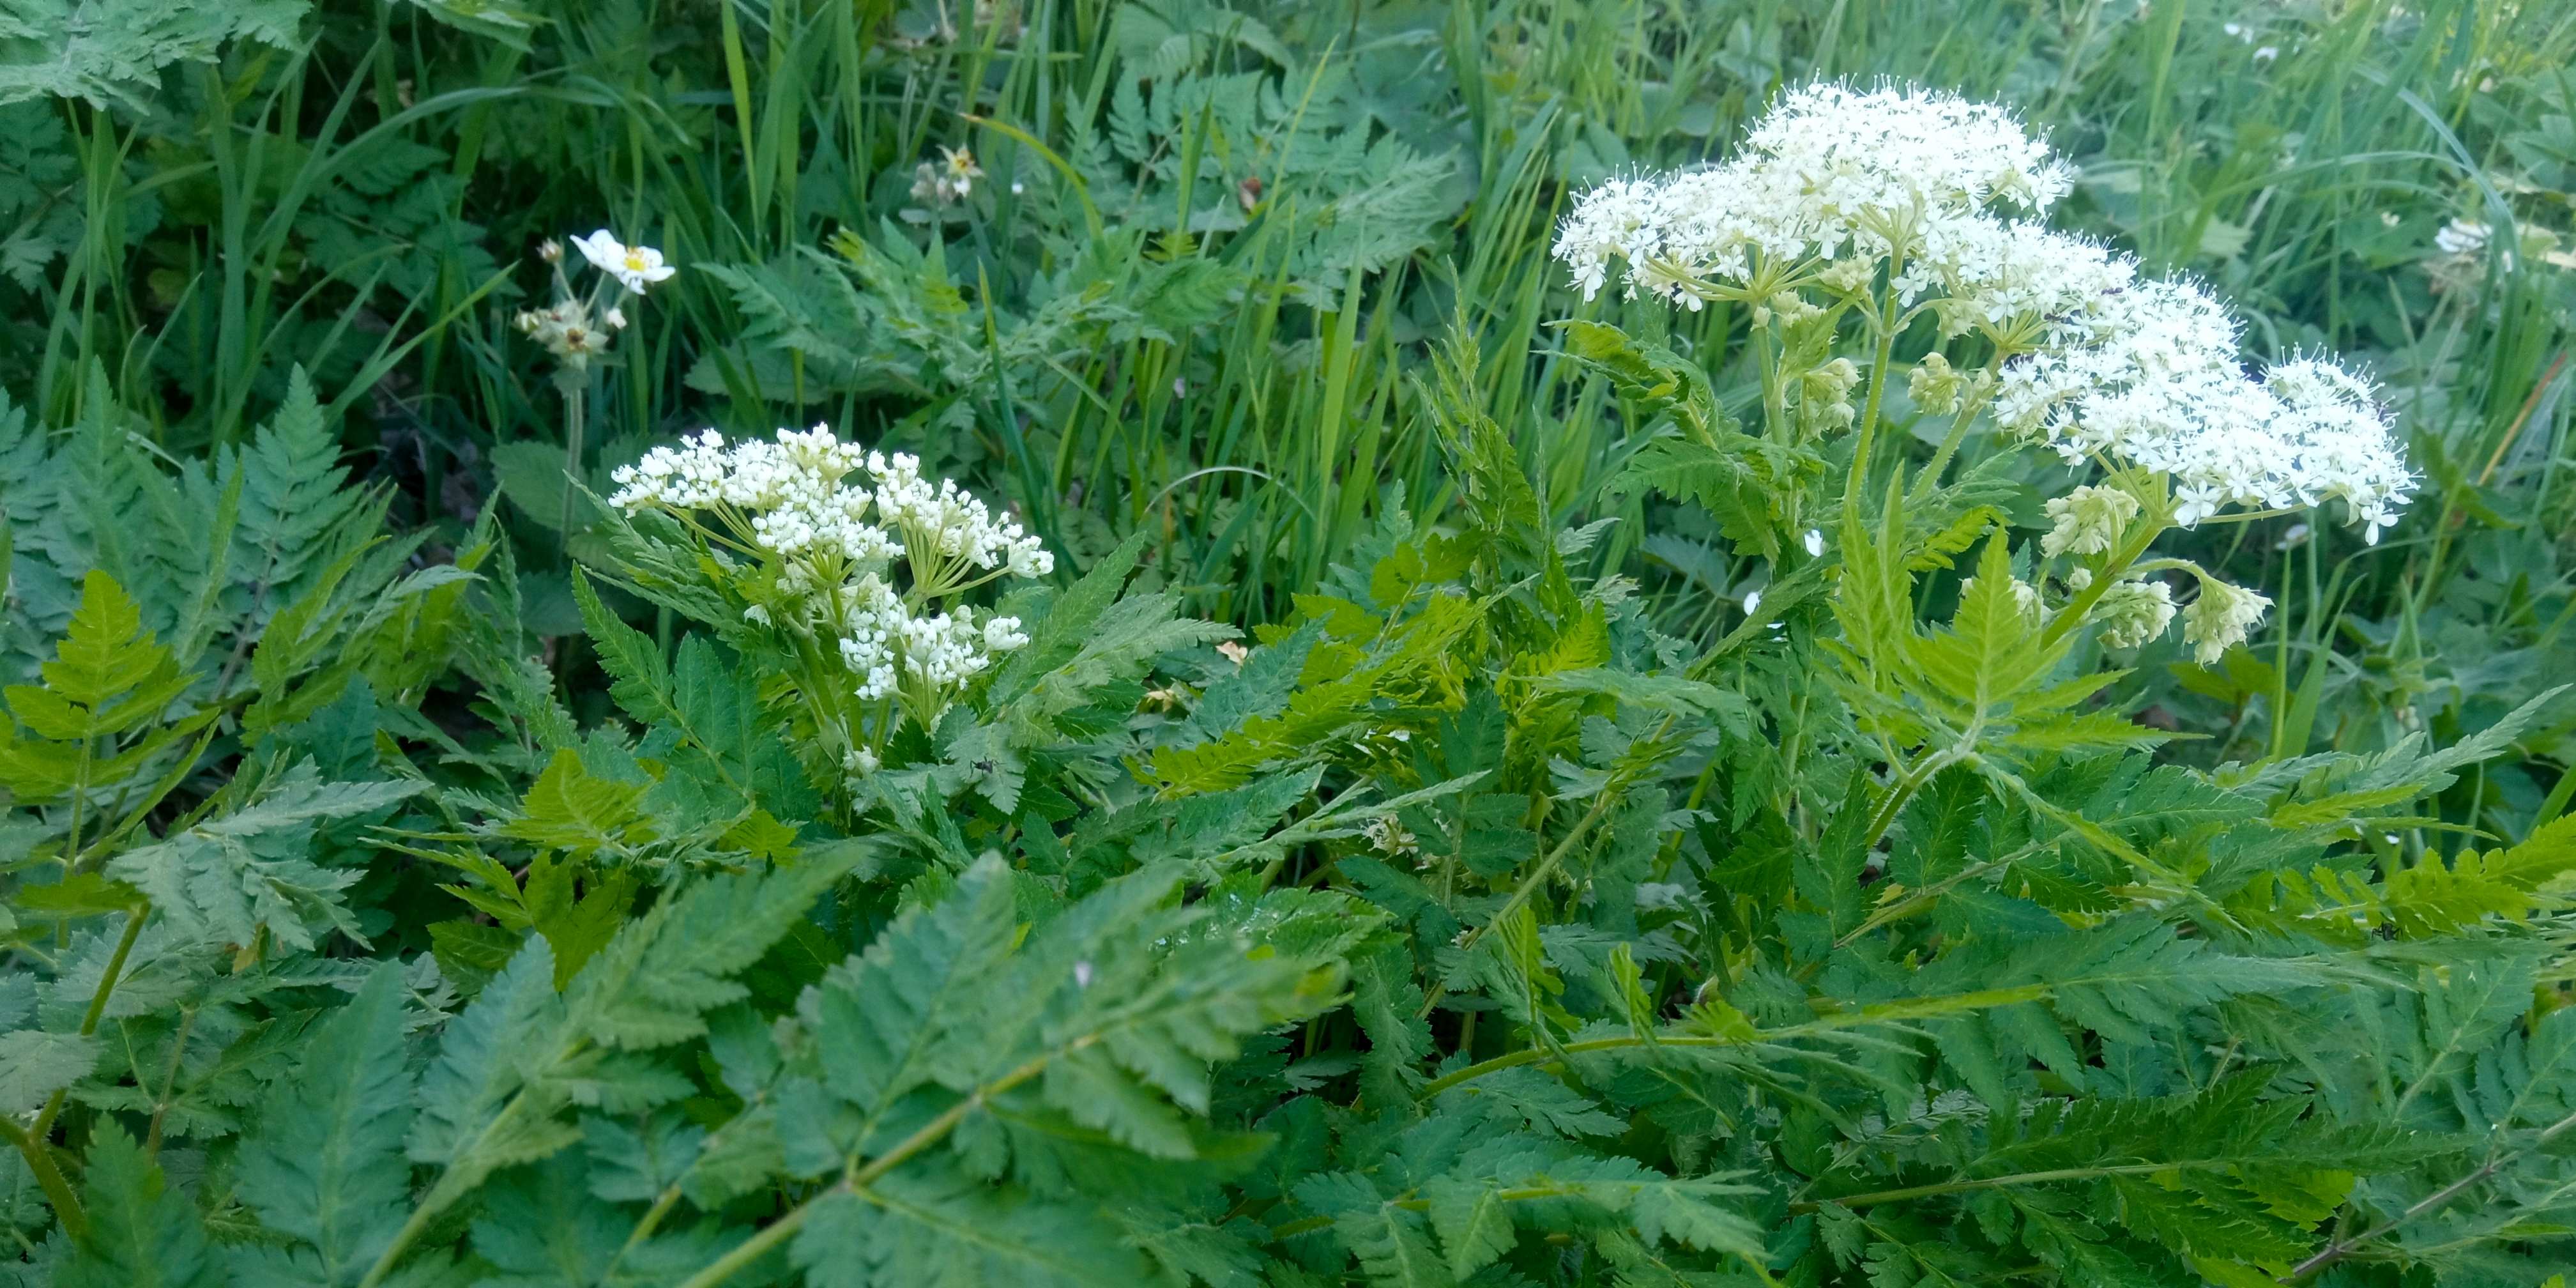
1930, 476
1868, 437
576, 394
2072, 615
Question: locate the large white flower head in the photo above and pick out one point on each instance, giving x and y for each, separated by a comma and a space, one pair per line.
1874, 153
827, 544
2090, 356
1829, 171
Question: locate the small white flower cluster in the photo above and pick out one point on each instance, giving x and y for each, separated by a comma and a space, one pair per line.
567, 330
831, 545
887, 644
786, 495
2462, 237
946, 181
946, 521
2096, 359
578, 329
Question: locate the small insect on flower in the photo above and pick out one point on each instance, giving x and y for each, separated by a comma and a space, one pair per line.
635, 267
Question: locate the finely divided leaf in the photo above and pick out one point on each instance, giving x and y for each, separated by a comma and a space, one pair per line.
326, 1165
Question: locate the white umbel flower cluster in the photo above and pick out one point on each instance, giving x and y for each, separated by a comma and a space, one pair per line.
2091, 356
827, 547
1830, 172
888, 645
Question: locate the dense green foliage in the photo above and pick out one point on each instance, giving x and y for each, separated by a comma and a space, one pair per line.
1491, 795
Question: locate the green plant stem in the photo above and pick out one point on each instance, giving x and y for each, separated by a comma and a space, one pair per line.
97, 1009
1929, 477
1903, 789
576, 413
1601, 803
1928, 895
857, 1180
2072, 615
1868, 439
40, 1160
2341, 1248
1876, 1197
1308, 1225
169, 1079
432, 1204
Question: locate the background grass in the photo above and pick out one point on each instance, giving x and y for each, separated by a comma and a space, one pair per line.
1213, 246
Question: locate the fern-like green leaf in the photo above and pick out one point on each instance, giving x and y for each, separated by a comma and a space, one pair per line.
325, 1167
142, 1233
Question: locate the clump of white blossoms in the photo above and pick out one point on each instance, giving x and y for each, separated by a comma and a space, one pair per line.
872, 568
578, 325
1866, 211
945, 182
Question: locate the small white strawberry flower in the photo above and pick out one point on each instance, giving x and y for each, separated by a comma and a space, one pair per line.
635, 266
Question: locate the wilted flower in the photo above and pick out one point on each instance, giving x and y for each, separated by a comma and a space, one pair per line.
566, 331
1389, 837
